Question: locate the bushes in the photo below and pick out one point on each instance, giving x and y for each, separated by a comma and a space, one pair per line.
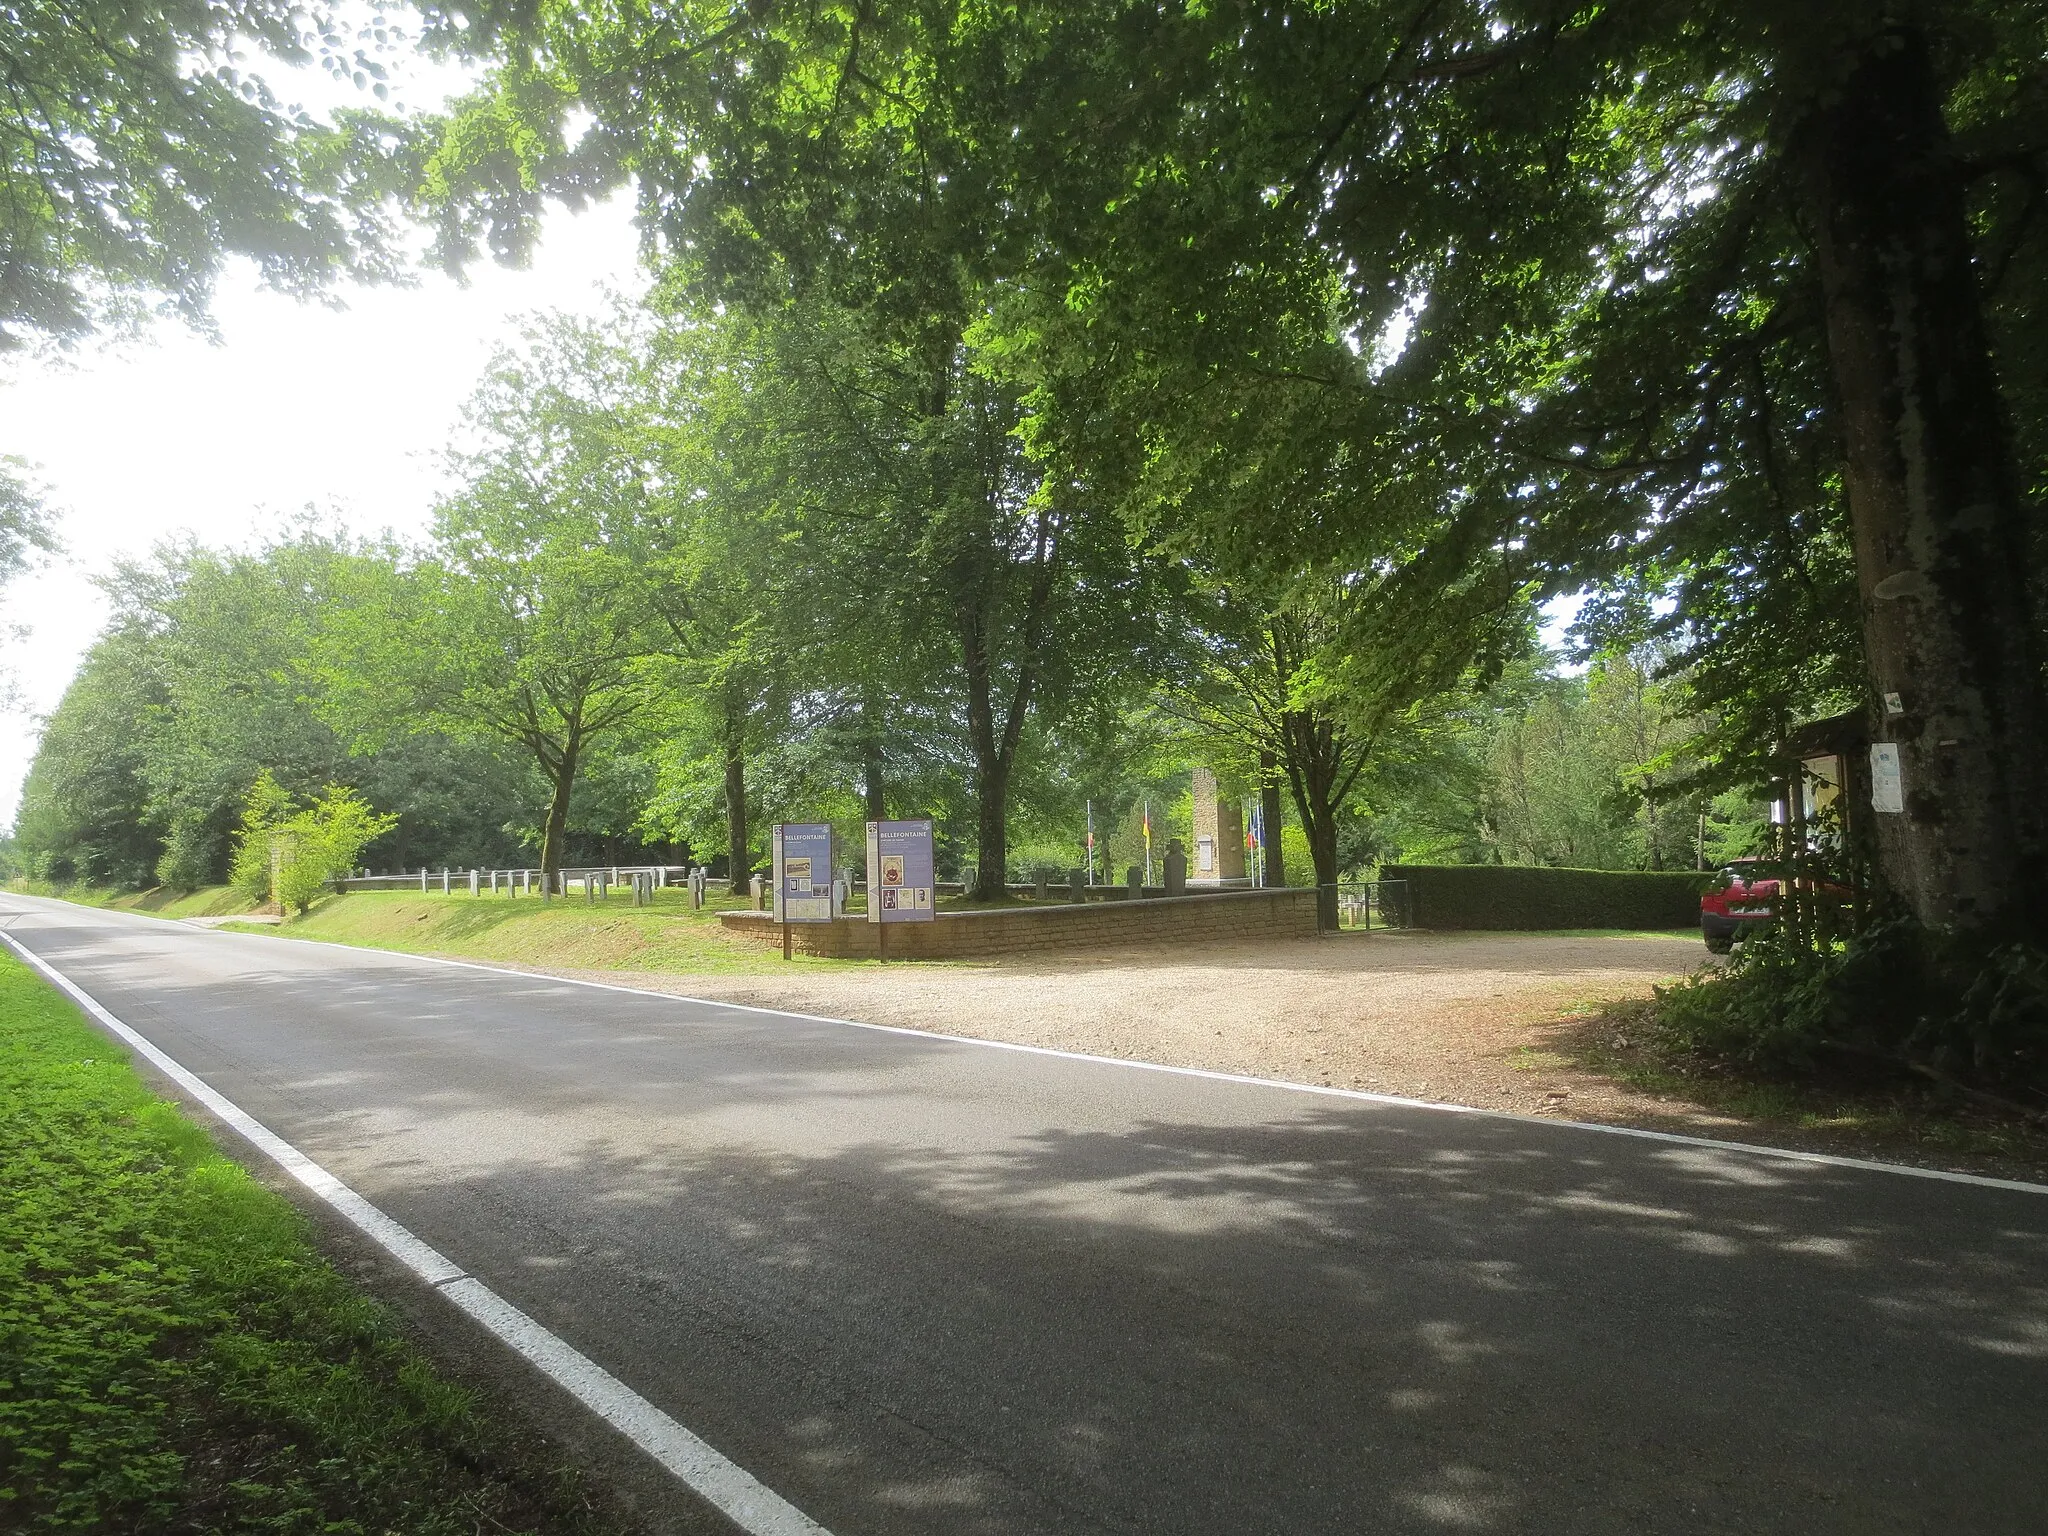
1510, 896
289, 856
1895, 996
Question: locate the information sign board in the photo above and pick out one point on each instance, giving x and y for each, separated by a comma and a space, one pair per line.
803, 872
1887, 783
900, 885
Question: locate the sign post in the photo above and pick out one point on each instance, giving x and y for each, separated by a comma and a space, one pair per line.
802, 874
900, 884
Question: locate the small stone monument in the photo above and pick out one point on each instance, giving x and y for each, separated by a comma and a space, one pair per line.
1176, 869
1134, 884
1077, 885
1044, 885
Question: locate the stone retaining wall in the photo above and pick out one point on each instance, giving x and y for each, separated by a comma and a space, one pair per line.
1207, 919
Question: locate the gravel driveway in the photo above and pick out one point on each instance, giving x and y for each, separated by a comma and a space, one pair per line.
1461, 1018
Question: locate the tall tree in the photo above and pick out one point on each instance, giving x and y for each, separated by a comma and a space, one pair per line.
1623, 257
842, 160
25, 534
531, 622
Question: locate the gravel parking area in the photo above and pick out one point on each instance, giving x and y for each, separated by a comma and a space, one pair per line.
1458, 1018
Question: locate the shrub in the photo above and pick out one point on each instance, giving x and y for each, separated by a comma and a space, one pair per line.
187, 861
288, 856
322, 842
1506, 896
1895, 995
263, 809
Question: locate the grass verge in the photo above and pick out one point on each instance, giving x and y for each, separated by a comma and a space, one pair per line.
1875, 1117
208, 901
566, 933
175, 1356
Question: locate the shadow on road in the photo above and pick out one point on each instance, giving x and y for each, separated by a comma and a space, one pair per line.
925, 1287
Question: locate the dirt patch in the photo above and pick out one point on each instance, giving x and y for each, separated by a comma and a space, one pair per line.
1459, 1018
1524, 1023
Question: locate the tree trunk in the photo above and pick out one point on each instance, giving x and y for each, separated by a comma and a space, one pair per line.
1939, 527
562, 779
995, 751
1312, 774
737, 853
873, 789
1321, 823
992, 833
1269, 813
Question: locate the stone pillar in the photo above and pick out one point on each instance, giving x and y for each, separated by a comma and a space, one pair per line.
1203, 869
1230, 840
1134, 883
1176, 869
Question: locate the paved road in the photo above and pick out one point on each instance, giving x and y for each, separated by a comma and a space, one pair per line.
925, 1287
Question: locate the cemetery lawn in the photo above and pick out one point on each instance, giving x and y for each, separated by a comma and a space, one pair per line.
174, 1354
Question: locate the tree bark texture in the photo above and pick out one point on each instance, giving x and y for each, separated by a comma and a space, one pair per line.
737, 853
872, 774
562, 783
1269, 814
1939, 524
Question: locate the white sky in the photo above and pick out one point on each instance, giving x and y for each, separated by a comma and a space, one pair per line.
297, 405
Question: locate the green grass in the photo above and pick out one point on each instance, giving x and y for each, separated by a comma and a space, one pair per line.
565, 932
176, 1357
209, 901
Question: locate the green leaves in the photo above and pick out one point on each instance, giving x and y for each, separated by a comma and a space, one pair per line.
289, 854
136, 156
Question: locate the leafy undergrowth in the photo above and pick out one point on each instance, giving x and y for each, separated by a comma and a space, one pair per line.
175, 1357
564, 933
1846, 1109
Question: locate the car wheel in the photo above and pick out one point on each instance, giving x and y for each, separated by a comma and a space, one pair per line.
1720, 944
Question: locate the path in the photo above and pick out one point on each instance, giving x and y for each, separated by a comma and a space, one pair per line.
927, 1287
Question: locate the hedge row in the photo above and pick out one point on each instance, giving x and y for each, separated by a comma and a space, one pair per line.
1513, 896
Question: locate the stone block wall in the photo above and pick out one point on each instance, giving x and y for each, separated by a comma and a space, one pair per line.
1219, 918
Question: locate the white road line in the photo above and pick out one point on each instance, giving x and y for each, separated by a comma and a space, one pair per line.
1825, 1159
1674, 1138
733, 1490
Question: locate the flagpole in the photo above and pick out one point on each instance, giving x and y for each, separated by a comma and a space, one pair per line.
1148, 842
1091, 842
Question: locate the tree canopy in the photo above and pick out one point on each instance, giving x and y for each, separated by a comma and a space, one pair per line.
140, 147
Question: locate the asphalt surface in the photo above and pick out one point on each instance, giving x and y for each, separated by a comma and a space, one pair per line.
926, 1287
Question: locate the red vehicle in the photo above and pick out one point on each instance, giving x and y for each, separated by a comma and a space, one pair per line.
1739, 906
1743, 903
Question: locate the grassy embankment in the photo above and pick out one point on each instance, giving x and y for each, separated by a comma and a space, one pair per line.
212, 901
566, 933
175, 1356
